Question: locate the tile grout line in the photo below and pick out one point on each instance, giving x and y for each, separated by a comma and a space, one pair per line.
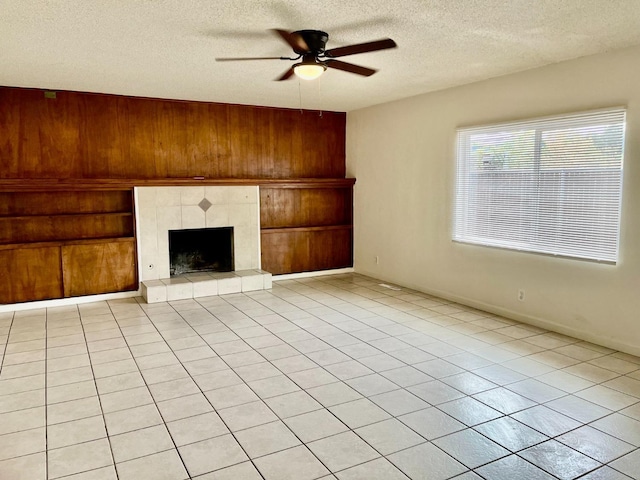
528, 377
385, 352
104, 422
495, 363
196, 383
395, 417
392, 416
448, 340
504, 415
328, 409
248, 386
46, 393
164, 423
4, 347
262, 399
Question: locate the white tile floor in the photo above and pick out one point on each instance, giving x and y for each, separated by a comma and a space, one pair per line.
331, 377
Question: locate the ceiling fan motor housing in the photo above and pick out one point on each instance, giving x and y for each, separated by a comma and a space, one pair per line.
315, 39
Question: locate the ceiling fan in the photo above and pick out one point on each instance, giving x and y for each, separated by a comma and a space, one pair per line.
309, 45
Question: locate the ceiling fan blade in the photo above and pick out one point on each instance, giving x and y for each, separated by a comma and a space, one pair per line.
360, 48
295, 41
286, 75
237, 59
350, 67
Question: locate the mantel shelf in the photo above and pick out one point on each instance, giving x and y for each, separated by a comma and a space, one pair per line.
44, 184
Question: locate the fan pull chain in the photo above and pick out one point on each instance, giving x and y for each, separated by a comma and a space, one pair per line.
320, 98
300, 95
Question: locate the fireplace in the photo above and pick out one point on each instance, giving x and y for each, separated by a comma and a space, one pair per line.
160, 210
201, 250
165, 214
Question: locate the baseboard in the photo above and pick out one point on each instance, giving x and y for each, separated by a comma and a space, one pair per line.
318, 273
529, 319
63, 302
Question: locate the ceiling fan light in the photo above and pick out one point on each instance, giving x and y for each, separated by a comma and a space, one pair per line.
309, 71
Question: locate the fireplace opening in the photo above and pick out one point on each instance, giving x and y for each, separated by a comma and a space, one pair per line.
201, 250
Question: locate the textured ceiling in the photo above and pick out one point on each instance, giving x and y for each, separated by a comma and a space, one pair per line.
166, 48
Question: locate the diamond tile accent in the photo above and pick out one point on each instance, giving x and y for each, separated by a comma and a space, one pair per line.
205, 204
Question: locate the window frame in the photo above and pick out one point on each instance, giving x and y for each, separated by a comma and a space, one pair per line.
463, 195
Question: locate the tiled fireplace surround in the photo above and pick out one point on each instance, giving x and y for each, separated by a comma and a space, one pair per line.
160, 209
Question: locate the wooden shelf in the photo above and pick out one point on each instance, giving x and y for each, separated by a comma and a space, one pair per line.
66, 215
306, 229
66, 242
62, 243
79, 184
285, 207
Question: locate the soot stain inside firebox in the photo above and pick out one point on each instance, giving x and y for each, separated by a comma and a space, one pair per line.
201, 250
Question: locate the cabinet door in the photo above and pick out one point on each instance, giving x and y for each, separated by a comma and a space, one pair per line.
90, 269
30, 274
305, 250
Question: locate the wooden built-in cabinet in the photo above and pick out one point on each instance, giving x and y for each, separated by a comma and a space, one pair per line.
100, 267
30, 273
306, 227
69, 162
56, 244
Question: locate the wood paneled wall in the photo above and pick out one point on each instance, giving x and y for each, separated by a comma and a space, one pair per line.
82, 135
77, 144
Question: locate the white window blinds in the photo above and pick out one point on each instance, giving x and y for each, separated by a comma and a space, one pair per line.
550, 185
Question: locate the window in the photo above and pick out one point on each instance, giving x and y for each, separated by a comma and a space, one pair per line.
550, 185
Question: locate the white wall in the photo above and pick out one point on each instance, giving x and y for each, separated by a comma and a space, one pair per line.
403, 156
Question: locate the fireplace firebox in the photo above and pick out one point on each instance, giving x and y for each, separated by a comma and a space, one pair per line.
201, 250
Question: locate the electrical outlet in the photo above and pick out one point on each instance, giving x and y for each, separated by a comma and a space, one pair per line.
377, 259
521, 295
